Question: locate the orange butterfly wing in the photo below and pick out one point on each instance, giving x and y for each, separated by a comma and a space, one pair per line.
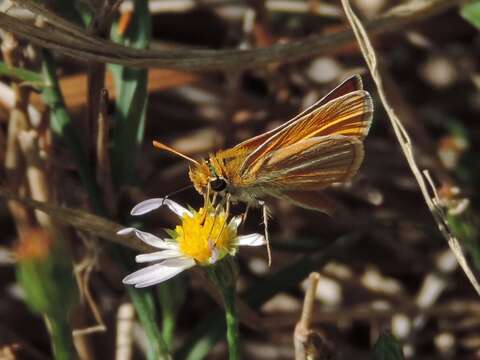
311, 164
348, 115
297, 172
350, 84
320, 146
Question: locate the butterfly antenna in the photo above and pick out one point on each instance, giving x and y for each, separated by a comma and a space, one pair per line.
178, 191
162, 146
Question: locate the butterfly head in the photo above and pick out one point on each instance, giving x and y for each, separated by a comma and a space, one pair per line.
205, 175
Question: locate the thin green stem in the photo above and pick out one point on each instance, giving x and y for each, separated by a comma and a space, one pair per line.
224, 274
231, 317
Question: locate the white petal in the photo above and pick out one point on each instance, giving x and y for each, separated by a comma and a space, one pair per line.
235, 222
147, 206
157, 256
153, 204
177, 208
125, 231
165, 276
251, 240
178, 262
149, 239
156, 273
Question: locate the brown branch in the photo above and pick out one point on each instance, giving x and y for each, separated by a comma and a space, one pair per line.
104, 176
69, 39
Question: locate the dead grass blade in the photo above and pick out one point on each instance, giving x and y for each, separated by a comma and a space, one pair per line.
422, 177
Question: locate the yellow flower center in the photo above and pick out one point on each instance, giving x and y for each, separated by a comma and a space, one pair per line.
201, 237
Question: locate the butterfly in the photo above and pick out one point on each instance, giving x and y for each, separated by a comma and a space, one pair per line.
293, 162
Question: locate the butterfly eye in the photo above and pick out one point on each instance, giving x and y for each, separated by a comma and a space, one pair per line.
218, 184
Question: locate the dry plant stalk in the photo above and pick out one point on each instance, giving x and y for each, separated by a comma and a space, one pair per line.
104, 176
124, 341
423, 178
309, 343
36, 176
18, 122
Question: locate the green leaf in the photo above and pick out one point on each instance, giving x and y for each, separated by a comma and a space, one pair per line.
131, 100
471, 13
387, 347
144, 303
172, 295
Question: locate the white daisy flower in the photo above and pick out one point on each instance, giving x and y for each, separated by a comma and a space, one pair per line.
202, 238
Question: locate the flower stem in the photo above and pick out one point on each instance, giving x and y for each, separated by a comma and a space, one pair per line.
231, 317
224, 274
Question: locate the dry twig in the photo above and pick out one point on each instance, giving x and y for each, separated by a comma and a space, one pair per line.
310, 343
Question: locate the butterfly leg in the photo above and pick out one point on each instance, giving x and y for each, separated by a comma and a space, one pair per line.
265, 224
244, 216
227, 214
206, 204
216, 213
225, 202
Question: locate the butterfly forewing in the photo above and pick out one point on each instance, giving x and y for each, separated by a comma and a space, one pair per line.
349, 85
348, 115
